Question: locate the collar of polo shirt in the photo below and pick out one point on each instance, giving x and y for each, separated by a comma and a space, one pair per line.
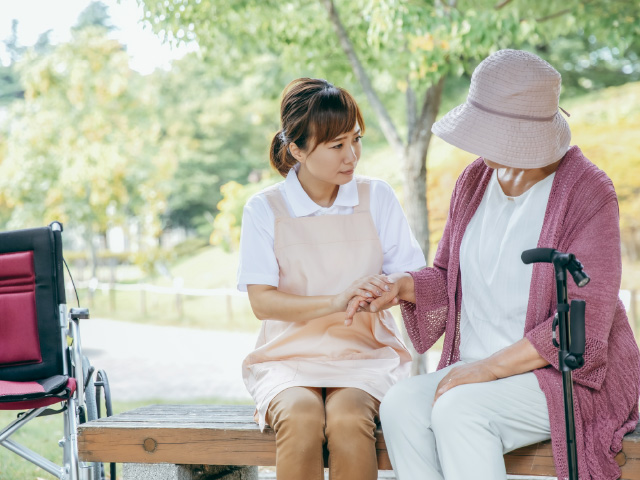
303, 206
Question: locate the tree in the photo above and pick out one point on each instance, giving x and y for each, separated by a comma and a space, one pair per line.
391, 46
399, 51
219, 133
94, 15
84, 145
10, 87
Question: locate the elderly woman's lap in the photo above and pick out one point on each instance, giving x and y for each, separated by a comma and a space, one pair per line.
468, 429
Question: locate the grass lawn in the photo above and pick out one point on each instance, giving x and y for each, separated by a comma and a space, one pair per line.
42, 435
208, 268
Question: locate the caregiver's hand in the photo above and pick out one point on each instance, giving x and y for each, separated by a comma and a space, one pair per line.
388, 298
476, 372
401, 288
365, 288
360, 304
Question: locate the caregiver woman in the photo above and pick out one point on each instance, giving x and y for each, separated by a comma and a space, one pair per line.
315, 378
498, 386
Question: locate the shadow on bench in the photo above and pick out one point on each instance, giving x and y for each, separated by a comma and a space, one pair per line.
226, 435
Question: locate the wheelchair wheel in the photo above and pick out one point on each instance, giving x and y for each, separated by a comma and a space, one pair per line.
91, 411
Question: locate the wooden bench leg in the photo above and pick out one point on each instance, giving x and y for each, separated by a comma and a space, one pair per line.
166, 471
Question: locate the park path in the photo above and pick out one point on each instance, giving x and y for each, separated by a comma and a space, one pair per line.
147, 362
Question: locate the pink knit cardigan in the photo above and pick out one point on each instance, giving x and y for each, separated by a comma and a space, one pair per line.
581, 218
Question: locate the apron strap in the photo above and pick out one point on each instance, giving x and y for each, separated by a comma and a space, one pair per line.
276, 202
363, 195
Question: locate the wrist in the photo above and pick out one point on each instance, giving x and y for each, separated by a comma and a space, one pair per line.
333, 303
496, 367
406, 287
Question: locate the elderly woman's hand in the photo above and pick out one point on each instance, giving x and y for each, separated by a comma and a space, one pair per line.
361, 291
401, 287
476, 372
517, 358
386, 298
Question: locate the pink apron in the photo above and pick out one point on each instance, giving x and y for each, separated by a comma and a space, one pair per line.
323, 255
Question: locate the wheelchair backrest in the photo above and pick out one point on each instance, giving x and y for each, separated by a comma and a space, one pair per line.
31, 290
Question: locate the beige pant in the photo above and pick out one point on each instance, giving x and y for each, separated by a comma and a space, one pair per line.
305, 418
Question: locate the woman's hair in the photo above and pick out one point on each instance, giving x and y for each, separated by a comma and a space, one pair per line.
312, 111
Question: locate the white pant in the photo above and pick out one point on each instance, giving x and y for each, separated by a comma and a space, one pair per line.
467, 432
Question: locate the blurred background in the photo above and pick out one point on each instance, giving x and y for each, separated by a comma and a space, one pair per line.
144, 126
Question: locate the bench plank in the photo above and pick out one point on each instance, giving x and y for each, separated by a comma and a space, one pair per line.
210, 435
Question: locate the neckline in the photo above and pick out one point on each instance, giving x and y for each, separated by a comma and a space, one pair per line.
519, 198
302, 205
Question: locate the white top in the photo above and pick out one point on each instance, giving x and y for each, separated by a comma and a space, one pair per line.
495, 282
258, 265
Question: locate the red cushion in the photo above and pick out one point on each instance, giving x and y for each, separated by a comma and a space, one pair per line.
40, 402
19, 340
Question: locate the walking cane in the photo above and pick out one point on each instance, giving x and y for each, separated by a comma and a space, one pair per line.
572, 337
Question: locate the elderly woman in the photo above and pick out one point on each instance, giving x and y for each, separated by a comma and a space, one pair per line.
498, 387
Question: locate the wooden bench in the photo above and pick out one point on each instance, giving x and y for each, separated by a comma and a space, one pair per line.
199, 435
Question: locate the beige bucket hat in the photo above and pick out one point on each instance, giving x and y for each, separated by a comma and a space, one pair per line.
511, 115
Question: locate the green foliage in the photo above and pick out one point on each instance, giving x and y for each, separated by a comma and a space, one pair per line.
189, 247
17, 51
95, 15
605, 126
400, 42
10, 88
219, 128
227, 224
399, 49
84, 146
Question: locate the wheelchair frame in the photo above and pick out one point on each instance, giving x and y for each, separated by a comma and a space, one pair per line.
75, 408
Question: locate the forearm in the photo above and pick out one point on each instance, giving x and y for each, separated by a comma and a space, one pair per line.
275, 305
521, 357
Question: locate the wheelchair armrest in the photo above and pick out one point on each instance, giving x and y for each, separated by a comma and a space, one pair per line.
79, 313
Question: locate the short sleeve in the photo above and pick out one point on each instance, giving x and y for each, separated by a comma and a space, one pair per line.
258, 264
400, 248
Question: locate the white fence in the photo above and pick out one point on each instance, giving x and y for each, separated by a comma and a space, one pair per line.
628, 297
176, 290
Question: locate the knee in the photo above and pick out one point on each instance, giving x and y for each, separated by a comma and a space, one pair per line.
301, 422
351, 413
454, 412
397, 406
350, 425
301, 417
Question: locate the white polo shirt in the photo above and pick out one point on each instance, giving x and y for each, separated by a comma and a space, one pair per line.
258, 264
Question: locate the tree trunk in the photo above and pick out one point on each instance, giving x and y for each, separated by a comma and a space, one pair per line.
415, 166
413, 155
415, 188
386, 124
93, 252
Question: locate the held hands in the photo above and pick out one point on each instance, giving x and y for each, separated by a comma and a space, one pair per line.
384, 297
363, 290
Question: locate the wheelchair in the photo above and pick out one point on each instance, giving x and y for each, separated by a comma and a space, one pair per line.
41, 358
